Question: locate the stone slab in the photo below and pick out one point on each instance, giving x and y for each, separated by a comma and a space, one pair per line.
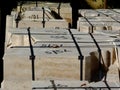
39, 31
101, 84
56, 62
58, 84
99, 19
106, 25
96, 19
76, 85
41, 85
52, 38
55, 23
89, 13
107, 12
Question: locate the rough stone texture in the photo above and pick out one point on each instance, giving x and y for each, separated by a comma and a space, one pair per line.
17, 85
99, 19
73, 85
59, 84
48, 24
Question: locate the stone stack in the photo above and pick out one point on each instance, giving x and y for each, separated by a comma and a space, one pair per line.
99, 19
57, 56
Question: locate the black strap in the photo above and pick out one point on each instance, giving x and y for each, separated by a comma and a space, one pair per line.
80, 57
32, 56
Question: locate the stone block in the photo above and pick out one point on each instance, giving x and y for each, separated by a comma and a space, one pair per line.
105, 85
89, 13
59, 84
56, 23
42, 85
84, 27
17, 85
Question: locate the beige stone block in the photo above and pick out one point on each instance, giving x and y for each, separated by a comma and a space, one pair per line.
87, 68
17, 68
17, 85
43, 84
50, 64
32, 24
113, 56
17, 65
9, 24
84, 27
9, 21
94, 65
57, 68
106, 57
56, 24
119, 58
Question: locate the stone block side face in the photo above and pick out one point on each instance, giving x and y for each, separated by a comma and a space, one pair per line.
48, 24
51, 68
83, 26
56, 24
115, 62
94, 65
87, 68
119, 58
17, 85
113, 56
106, 59
17, 68
32, 24
57, 69
91, 67
9, 21
9, 24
